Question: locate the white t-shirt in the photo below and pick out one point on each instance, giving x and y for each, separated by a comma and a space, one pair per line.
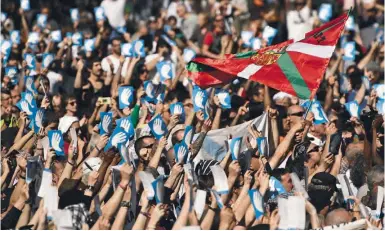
299, 22
114, 11
115, 62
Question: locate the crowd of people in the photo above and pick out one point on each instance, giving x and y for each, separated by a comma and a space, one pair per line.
102, 128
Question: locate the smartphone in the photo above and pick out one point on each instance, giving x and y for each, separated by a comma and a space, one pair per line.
335, 143
104, 100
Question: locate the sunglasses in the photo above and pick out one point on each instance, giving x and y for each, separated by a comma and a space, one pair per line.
297, 114
72, 103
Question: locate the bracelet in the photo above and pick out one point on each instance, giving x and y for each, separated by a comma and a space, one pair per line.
22, 177
72, 164
145, 214
97, 148
211, 208
39, 148
125, 204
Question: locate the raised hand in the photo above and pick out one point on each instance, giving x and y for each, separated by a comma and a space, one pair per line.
138, 47
39, 119
162, 143
331, 129
207, 125
28, 84
177, 110
158, 126
22, 163
199, 99
56, 139
126, 172
125, 96
125, 124
106, 123
234, 169
237, 146
92, 178
25, 107
29, 97
29, 60
165, 70
182, 151
149, 90
118, 138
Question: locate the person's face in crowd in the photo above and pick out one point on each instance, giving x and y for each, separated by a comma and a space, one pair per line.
116, 47
179, 135
56, 102
286, 182
337, 217
72, 106
318, 130
260, 95
299, 4
166, 113
40, 87
6, 100
153, 25
188, 106
219, 23
12, 63
114, 106
255, 163
373, 76
15, 95
58, 170
97, 69
181, 11
202, 19
143, 74
145, 150
295, 114
172, 23
170, 155
314, 156
46, 11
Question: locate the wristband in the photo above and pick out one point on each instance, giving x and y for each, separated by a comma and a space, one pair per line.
22, 177
90, 187
145, 214
125, 204
211, 208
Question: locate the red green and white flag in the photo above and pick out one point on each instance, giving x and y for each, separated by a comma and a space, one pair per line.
295, 67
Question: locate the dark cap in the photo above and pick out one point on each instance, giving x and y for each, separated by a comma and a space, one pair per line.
321, 189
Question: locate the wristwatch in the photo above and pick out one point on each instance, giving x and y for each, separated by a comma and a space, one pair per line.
90, 187
125, 204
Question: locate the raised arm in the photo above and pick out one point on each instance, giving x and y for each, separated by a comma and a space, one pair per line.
113, 203
154, 162
283, 147
78, 79
116, 80
369, 56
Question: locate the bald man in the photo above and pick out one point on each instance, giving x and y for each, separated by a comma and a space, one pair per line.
295, 114
338, 216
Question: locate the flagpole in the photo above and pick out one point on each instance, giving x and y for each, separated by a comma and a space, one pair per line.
308, 109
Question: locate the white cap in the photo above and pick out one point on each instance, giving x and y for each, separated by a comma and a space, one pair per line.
65, 123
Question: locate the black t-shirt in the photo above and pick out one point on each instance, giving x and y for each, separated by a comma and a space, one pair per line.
86, 98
